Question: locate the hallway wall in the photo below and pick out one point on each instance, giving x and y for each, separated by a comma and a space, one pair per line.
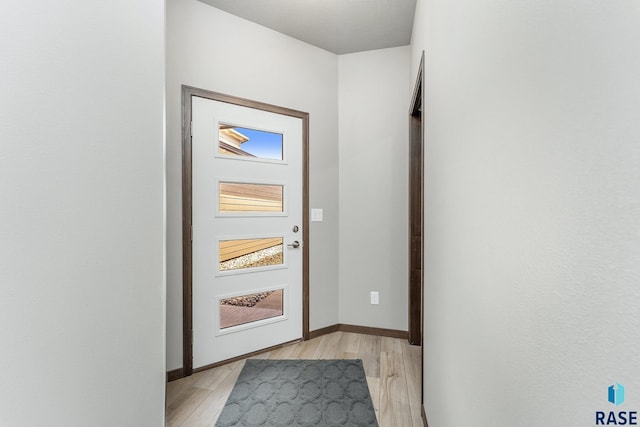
374, 96
532, 207
82, 293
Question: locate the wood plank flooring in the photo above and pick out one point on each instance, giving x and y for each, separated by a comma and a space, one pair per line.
392, 367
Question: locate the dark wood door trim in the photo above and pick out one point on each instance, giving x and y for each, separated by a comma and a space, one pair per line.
416, 221
187, 260
416, 200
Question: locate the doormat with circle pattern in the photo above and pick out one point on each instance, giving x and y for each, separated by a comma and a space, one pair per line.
299, 393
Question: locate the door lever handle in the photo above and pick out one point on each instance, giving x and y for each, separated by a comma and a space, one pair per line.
294, 245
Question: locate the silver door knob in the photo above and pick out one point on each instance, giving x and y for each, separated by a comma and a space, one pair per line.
294, 245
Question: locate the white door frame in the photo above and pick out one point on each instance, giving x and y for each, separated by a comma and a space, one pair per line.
187, 308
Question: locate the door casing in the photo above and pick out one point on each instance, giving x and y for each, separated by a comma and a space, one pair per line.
416, 222
416, 217
187, 261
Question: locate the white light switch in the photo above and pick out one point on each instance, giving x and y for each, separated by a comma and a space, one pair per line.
316, 214
375, 298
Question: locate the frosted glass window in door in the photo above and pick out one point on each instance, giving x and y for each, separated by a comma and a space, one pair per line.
239, 197
243, 309
248, 143
249, 253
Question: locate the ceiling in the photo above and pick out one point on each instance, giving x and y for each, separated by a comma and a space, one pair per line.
339, 26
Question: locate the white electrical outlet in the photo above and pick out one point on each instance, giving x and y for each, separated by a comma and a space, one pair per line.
375, 298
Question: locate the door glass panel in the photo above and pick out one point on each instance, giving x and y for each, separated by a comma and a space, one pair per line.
248, 253
247, 142
245, 309
243, 197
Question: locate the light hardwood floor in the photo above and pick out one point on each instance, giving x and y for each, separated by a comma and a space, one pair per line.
392, 367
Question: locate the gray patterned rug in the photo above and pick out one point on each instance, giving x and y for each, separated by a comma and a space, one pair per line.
299, 393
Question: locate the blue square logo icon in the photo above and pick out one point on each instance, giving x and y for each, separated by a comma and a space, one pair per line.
616, 394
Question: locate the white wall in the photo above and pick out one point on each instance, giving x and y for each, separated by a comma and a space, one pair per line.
374, 100
532, 209
81, 223
213, 50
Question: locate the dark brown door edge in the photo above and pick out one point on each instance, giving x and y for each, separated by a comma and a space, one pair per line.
416, 219
416, 200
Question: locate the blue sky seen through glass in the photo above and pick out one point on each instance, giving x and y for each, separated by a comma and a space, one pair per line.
266, 145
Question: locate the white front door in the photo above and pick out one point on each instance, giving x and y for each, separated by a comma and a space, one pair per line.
247, 230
